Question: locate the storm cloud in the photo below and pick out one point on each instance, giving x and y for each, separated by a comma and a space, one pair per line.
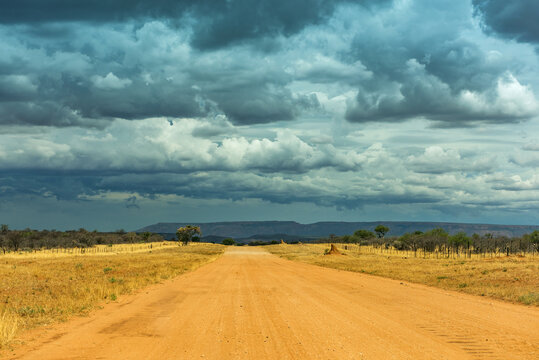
215, 23
435, 74
512, 19
302, 110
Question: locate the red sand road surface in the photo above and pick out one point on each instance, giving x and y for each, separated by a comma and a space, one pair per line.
252, 305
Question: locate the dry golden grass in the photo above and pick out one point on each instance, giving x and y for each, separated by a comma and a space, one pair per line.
94, 250
512, 278
44, 287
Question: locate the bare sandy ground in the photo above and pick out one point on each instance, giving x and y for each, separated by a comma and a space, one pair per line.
252, 305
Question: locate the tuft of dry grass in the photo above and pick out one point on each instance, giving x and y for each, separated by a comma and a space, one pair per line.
509, 278
43, 288
9, 324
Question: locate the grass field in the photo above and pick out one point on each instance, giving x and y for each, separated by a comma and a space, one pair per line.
46, 286
513, 278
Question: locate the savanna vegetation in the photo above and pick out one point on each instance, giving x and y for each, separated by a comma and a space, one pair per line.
438, 243
49, 276
188, 233
29, 240
513, 278
486, 265
52, 284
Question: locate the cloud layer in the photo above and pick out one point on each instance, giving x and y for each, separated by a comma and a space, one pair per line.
60, 69
515, 19
400, 108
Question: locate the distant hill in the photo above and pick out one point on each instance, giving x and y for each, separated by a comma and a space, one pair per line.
289, 230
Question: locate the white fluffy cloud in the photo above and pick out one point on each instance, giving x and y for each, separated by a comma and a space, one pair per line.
158, 157
156, 145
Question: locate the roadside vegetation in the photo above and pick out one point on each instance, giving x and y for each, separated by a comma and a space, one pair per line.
437, 242
187, 234
48, 285
513, 278
29, 240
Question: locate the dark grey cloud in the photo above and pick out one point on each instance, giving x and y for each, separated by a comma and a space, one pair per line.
245, 19
134, 101
212, 185
135, 73
216, 23
423, 67
515, 19
72, 100
99, 10
256, 104
58, 186
43, 113
91, 64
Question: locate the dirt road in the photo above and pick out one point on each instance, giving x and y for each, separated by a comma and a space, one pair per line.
252, 305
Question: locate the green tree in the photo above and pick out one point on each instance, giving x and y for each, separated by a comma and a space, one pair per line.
146, 235
15, 240
431, 238
229, 241
534, 239
188, 233
458, 240
438, 233
381, 231
130, 237
3, 238
364, 234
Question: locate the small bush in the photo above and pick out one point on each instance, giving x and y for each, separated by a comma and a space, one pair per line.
31, 311
529, 298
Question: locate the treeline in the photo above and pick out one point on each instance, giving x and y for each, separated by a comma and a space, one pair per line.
28, 239
439, 241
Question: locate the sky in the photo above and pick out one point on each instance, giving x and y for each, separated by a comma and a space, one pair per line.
119, 114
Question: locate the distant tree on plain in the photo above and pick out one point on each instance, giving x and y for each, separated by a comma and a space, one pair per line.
534, 239
381, 231
458, 240
188, 233
364, 234
4, 245
15, 239
146, 235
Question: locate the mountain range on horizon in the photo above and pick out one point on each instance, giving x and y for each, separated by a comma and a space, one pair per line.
267, 229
